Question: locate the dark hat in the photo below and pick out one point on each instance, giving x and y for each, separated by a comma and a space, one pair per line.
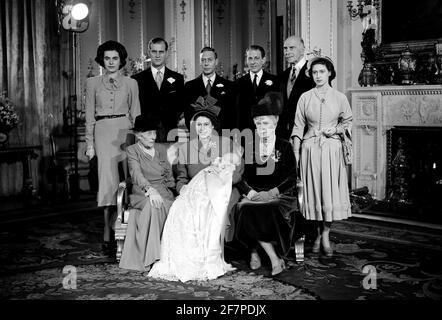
143, 124
205, 106
270, 105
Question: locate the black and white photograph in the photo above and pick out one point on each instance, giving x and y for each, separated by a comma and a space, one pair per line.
228, 157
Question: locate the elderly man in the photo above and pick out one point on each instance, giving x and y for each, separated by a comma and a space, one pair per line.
294, 83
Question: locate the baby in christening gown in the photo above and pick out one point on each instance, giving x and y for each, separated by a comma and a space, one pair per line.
191, 247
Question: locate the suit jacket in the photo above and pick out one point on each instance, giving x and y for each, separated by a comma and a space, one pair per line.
223, 90
165, 105
246, 98
302, 84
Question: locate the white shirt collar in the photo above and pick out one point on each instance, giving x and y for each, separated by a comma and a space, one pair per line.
299, 65
155, 71
252, 76
212, 79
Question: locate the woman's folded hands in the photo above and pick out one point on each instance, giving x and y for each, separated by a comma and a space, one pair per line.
263, 195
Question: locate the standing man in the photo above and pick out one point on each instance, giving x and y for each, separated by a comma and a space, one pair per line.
209, 83
161, 90
294, 83
253, 86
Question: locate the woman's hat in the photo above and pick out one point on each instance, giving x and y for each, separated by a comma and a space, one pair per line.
316, 58
270, 105
205, 106
143, 124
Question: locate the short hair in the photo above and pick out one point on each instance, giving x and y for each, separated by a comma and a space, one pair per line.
111, 45
325, 62
156, 41
297, 38
255, 47
209, 49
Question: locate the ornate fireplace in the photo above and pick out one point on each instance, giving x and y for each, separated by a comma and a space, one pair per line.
394, 130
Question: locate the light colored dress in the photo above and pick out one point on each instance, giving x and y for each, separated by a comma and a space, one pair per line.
322, 166
191, 247
143, 235
105, 98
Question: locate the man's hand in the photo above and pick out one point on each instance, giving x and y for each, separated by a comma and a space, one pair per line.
90, 152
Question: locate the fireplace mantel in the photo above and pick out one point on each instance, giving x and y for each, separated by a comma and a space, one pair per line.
379, 109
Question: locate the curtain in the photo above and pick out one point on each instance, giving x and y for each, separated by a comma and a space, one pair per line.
30, 74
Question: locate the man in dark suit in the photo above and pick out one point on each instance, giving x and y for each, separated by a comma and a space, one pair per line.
253, 86
294, 83
161, 90
209, 83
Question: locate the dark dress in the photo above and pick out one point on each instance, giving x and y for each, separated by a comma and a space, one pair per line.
272, 221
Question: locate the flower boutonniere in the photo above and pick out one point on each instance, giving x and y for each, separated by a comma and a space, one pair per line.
269, 82
220, 85
276, 155
171, 80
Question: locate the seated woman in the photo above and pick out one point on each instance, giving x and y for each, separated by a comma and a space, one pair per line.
204, 146
266, 216
191, 247
152, 179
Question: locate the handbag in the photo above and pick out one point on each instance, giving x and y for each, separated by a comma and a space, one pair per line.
347, 147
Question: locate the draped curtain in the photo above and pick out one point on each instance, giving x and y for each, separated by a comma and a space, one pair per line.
30, 74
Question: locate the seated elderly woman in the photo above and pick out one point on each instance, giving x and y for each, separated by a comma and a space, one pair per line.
266, 216
152, 180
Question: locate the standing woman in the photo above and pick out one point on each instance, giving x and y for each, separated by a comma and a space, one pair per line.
327, 114
111, 107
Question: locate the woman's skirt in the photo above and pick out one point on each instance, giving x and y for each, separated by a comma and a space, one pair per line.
272, 221
324, 174
110, 139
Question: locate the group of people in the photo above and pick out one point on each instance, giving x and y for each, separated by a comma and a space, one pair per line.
216, 187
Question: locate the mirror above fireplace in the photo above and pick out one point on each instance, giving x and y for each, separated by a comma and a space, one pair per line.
409, 24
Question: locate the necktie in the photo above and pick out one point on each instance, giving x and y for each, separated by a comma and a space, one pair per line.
208, 87
159, 79
255, 83
293, 78
291, 83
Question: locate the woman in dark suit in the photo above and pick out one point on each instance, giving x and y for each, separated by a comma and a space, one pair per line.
111, 107
266, 215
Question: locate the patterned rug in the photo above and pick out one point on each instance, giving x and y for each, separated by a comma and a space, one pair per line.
39, 261
371, 261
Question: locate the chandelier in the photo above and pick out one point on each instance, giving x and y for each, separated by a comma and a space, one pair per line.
362, 8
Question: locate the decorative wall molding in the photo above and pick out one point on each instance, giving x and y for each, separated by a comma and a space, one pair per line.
220, 9
183, 5
261, 9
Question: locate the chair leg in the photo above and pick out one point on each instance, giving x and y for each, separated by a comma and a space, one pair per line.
299, 249
120, 243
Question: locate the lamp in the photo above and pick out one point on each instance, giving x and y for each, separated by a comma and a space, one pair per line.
75, 19
362, 8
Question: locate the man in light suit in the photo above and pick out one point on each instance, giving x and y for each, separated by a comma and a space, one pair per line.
209, 83
253, 86
161, 90
294, 83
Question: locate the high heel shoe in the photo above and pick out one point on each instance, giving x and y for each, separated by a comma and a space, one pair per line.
255, 262
316, 246
278, 268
